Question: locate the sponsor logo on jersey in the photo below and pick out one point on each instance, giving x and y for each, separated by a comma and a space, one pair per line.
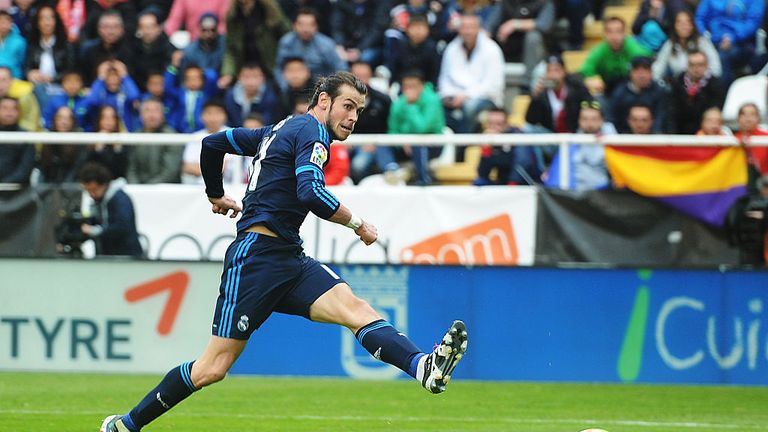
319, 155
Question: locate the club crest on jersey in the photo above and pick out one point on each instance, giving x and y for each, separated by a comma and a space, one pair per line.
319, 154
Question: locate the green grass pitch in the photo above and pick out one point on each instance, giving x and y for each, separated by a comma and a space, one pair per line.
38, 402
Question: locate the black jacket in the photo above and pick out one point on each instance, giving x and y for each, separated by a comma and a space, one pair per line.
407, 57
360, 25
116, 217
373, 119
16, 160
540, 110
63, 57
685, 112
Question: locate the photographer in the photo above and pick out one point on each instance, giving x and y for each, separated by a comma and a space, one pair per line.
115, 229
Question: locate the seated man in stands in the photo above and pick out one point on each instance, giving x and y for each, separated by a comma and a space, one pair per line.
608, 63
417, 111
587, 169
500, 159
693, 92
521, 30
640, 89
471, 76
556, 99
640, 120
712, 123
16, 160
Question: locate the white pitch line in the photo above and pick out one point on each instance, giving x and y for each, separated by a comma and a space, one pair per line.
509, 420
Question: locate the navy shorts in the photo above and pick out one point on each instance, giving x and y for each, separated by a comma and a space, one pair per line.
264, 274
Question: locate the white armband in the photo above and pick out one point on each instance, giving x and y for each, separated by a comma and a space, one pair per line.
354, 222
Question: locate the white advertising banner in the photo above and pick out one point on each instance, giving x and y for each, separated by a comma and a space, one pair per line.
437, 225
104, 316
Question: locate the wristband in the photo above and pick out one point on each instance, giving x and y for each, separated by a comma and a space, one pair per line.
354, 222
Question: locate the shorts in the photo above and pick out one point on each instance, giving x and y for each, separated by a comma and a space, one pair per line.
264, 274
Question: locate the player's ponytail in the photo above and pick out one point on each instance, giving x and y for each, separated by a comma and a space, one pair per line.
331, 85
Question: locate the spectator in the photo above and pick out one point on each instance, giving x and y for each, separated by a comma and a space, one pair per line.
556, 99
587, 162
297, 83
59, 163
316, 49
207, 51
254, 28
163, 7
471, 75
16, 160
214, 117
190, 95
640, 119
373, 120
156, 90
114, 87
113, 156
48, 53
640, 89
358, 28
415, 51
291, 10
114, 231
487, 10
73, 98
13, 46
732, 26
672, 59
21, 91
152, 46
749, 126
418, 110
712, 123
151, 164
252, 93
110, 45
23, 12
574, 12
607, 64
401, 16
693, 92
521, 29
94, 9
654, 21
188, 14
498, 159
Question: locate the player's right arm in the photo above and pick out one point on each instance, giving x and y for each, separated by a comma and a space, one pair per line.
242, 141
311, 157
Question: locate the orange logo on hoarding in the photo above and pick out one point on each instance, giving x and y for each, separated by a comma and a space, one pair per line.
491, 241
176, 285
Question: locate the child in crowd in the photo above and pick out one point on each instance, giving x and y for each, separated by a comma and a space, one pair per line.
189, 95
73, 97
156, 90
114, 87
214, 119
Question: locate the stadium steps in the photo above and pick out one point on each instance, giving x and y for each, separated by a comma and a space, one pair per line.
460, 173
574, 59
519, 109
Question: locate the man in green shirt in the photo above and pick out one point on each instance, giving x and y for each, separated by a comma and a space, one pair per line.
608, 63
418, 110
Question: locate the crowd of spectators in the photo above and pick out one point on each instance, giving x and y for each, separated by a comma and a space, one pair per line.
121, 65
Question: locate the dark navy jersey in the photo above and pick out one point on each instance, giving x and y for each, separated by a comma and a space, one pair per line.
286, 180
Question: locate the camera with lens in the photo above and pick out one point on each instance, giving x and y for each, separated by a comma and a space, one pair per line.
69, 235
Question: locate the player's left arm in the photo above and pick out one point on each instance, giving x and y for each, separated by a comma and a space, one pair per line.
241, 141
311, 157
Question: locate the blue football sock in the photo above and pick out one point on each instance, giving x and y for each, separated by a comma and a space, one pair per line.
174, 388
388, 345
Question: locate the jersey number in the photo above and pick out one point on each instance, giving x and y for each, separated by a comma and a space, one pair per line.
256, 165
